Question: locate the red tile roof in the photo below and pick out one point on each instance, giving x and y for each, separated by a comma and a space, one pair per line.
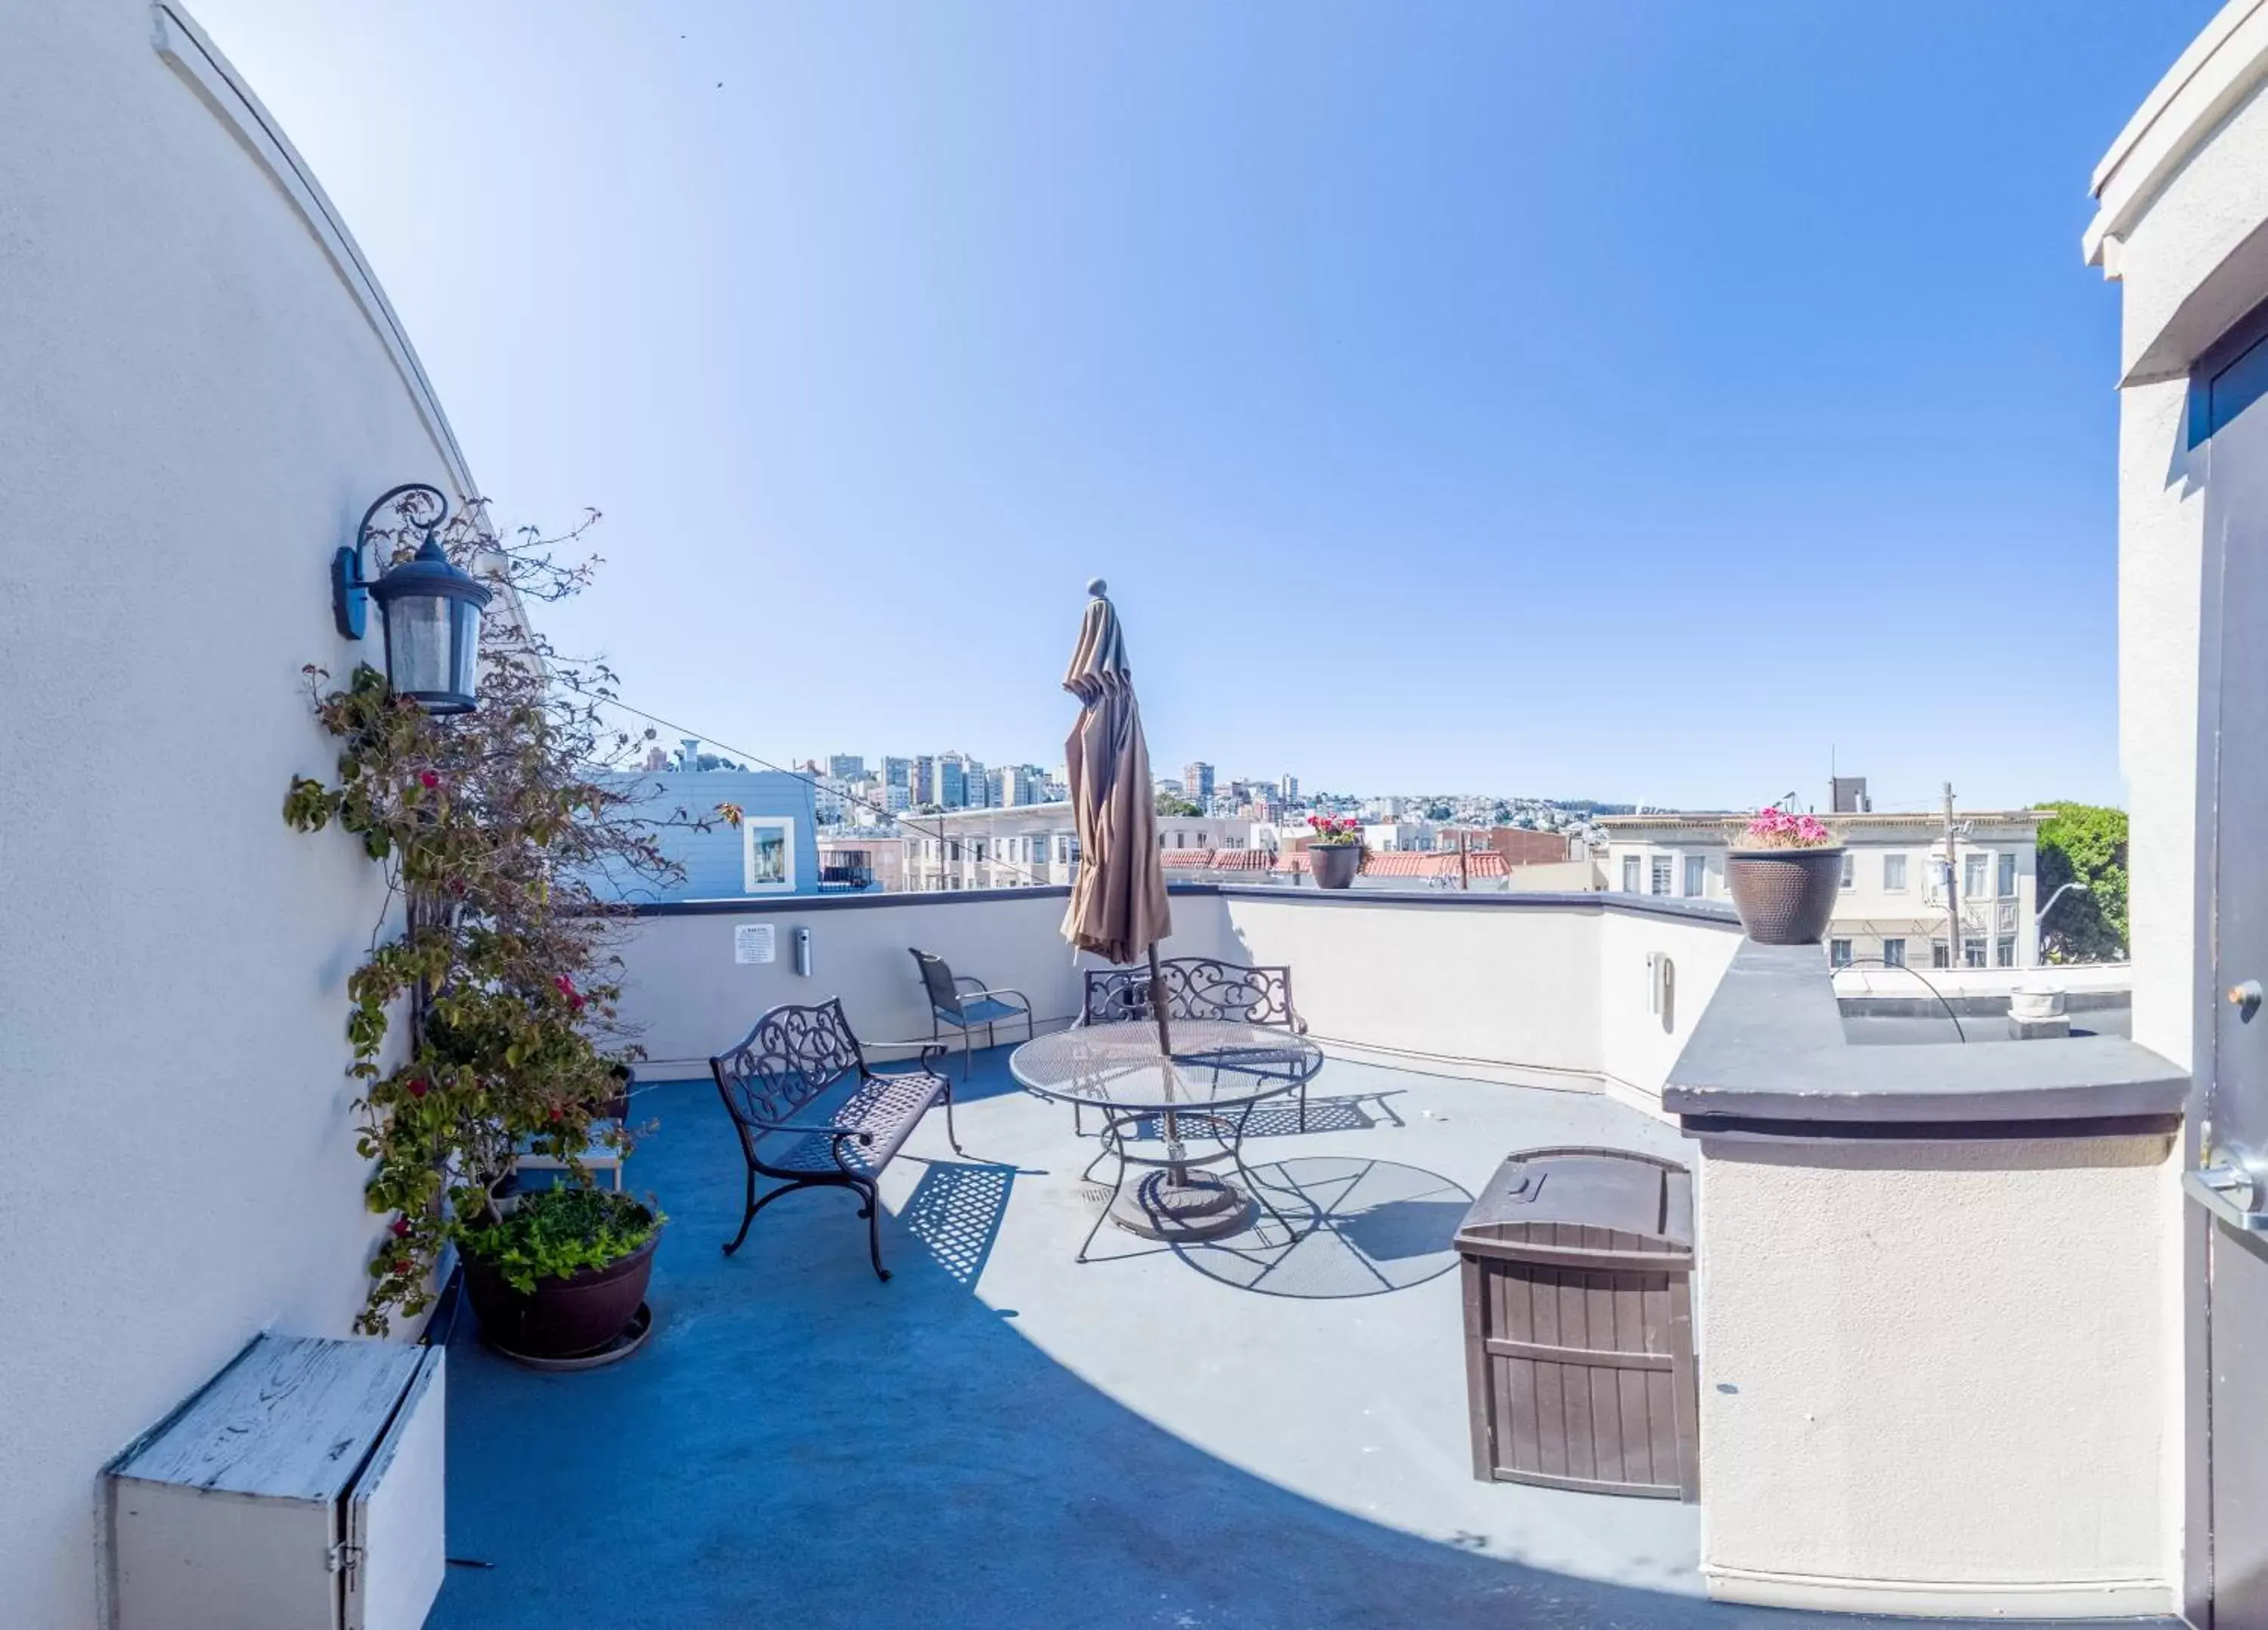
1479, 863
1214, 859
1433, 863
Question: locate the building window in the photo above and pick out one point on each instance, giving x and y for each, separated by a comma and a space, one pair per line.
1697, 875
1894, 874
2004, 951
767, 855
1629, 873
1838, 953
1939, 956
1894, 953
1850, 867
1660, 874
2007, 880
1972, 878
1973, 951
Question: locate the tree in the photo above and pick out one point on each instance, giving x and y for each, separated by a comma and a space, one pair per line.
1169, 805
2083, 843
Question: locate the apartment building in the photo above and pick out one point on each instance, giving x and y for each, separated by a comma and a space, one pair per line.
1031, 845
1892, 909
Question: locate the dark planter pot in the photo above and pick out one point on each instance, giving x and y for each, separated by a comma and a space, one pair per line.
562, 1318
1784, 897
1333, 865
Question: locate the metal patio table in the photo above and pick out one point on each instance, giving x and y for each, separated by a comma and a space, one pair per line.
1218, 1072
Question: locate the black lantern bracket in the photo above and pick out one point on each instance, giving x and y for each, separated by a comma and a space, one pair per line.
349, 587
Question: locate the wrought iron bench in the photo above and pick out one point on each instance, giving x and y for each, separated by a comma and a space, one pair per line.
1196, 988
770, 1082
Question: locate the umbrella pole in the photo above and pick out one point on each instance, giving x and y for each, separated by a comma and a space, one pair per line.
1158, 1008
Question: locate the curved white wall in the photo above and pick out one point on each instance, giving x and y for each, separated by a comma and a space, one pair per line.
199, 392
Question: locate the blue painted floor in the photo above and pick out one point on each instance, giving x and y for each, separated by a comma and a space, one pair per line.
1256, 1436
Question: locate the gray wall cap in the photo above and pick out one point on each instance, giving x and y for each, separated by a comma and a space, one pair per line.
1771, 1048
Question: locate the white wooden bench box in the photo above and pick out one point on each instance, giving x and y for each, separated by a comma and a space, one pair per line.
300, 1490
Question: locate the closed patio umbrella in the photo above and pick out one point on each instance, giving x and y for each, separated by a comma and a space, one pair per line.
1118, 906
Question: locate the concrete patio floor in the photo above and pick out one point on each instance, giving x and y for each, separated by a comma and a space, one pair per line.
1236, 1434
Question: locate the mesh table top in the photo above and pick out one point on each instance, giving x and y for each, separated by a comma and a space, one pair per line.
1215, 1062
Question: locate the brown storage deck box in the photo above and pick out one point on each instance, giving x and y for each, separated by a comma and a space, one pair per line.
1577, 1267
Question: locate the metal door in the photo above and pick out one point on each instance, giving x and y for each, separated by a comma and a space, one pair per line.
2234, 1188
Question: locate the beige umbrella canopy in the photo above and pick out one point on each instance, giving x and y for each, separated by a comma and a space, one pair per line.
1118, 906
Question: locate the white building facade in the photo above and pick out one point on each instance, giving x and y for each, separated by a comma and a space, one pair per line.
1034, 845
1892, 908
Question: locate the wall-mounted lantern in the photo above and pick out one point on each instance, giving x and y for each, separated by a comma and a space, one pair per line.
433, 610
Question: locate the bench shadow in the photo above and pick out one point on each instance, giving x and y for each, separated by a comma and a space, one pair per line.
954, 1211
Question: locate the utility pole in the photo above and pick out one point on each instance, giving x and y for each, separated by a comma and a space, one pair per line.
1464, 875
1952, 887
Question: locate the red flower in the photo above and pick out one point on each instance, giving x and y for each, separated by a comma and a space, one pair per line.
429, 780
401, 1227
555, 1115
403, 1266
417, 1089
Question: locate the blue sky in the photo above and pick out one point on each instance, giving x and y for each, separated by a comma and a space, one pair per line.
1630, 401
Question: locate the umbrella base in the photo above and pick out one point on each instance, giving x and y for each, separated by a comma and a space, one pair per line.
1204, 1207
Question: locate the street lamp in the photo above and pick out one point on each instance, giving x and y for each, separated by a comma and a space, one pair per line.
2052, 898
433, 610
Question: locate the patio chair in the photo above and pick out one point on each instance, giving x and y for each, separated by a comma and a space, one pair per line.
1196, 988
965, 1009
768, 1081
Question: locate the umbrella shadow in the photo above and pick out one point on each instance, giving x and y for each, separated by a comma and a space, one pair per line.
1279, 1117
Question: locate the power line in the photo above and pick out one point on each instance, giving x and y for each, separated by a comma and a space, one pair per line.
811, 781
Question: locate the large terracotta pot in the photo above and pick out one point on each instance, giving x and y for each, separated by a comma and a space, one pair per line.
561, 1318
1784, 897
1333, 865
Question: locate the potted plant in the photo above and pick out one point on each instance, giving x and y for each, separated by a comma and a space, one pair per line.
1335, 851
563, 1272
1783, 871
490, 827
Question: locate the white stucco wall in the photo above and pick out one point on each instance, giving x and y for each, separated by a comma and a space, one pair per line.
1638, 1041
1927, 1380
194, 407
689, 1000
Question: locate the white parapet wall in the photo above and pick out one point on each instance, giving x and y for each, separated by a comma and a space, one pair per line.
2083, 981
689, 994
1583, 992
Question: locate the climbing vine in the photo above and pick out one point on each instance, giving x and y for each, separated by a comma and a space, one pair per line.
508, 837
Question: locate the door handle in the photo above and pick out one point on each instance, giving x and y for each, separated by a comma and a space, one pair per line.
2232, 1186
